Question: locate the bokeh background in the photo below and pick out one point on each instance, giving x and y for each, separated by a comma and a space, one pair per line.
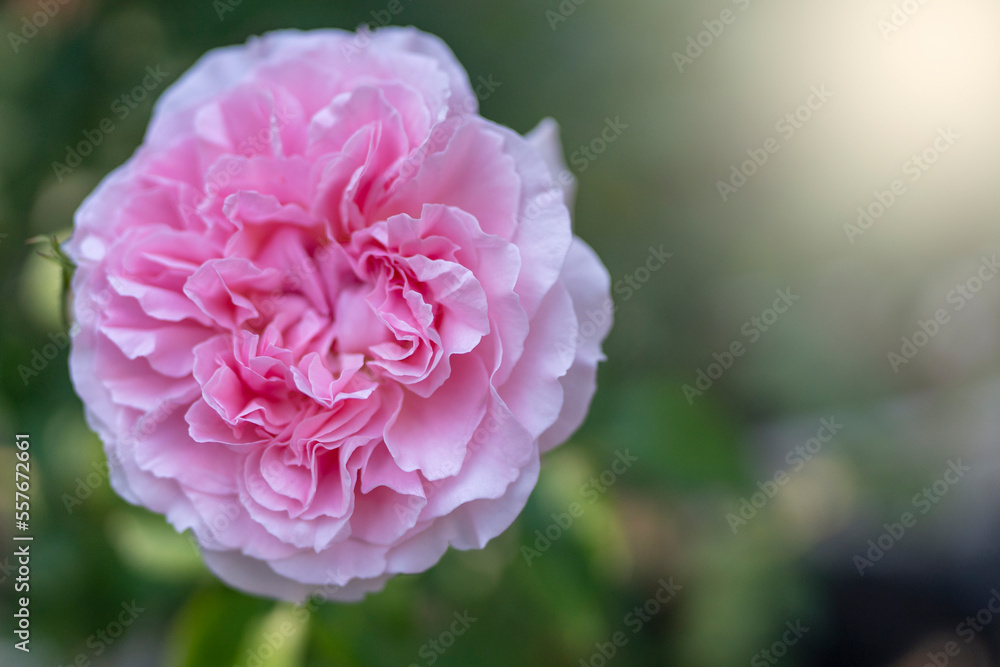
759, 526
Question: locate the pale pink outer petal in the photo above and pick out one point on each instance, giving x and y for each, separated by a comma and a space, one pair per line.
545, 140
590, 285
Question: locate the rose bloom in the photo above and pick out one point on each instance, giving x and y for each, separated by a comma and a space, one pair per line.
328, 317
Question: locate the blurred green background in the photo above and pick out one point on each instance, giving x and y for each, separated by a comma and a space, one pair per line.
735, 503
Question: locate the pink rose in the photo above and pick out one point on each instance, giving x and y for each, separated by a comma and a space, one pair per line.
329, 316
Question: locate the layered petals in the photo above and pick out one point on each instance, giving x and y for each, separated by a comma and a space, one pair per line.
327, 317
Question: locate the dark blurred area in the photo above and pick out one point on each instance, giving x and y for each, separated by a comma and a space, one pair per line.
810, 384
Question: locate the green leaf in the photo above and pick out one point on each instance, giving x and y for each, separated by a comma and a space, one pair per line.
208, 630
278, 639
